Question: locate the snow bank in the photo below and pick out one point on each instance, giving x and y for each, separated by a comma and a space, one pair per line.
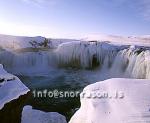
30, 115
131, 105
10, 87
85, 54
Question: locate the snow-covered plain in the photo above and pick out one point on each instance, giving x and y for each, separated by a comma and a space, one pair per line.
10, 87
143, 40
30, 115
131, 106
18, 42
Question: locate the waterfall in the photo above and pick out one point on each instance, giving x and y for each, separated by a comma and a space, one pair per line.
131, 62
111, 60
85, 54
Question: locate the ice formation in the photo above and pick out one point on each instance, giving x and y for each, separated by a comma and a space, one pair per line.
131, 105
30, 115
85, 54
10, 87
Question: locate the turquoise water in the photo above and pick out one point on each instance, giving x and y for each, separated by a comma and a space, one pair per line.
61, 80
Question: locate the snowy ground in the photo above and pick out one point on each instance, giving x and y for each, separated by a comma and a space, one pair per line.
131, 105
121, 40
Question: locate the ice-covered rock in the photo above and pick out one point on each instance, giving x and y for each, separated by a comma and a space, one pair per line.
10, 87
30, 115
115, 101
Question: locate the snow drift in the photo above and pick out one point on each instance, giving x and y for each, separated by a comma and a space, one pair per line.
131, 107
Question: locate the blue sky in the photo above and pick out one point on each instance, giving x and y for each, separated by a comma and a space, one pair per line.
74, 18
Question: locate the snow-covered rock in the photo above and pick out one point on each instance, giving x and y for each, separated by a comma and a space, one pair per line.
10, 87
30, 115
125, 101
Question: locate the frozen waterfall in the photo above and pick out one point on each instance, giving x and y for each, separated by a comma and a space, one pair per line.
27, 62
85, 54
128, 61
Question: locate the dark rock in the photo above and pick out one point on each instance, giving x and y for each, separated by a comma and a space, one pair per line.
11, 112
2, 80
